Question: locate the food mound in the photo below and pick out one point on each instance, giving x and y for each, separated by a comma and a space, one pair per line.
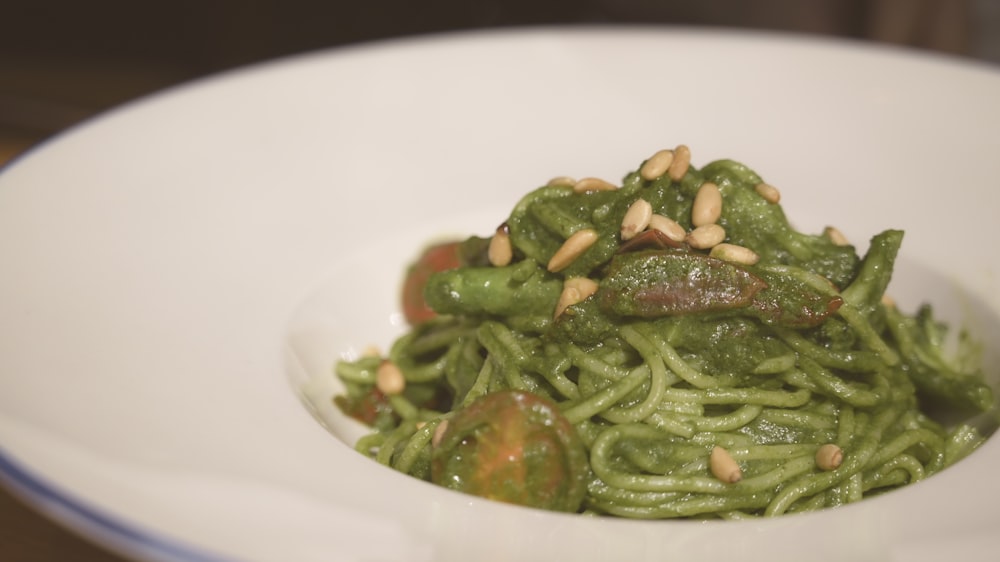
664, 347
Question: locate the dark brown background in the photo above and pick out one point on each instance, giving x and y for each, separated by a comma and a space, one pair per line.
62, 61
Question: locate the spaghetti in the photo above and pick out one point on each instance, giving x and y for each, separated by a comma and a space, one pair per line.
628, 378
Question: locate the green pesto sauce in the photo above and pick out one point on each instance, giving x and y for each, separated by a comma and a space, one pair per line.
719, 305
675, 352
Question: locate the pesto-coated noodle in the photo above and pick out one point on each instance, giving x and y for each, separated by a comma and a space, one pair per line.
522, 388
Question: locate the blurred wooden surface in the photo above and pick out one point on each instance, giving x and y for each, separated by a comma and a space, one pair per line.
60, 66
26, 536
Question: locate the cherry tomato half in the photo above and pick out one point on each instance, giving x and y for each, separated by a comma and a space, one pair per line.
439, 257
372, 408
515, 447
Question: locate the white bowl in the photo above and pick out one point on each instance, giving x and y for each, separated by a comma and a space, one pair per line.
180, 273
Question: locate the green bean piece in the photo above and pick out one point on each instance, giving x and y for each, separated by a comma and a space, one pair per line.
865, 292
520, 290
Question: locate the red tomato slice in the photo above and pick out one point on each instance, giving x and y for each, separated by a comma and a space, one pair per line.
367, 409
515, 447
439, 257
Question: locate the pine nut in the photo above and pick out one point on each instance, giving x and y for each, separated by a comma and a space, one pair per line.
585, 285
668, 226
888, 301
568, 297
636, 218
575, 290
371, 351
389, 379
735, 254
707, 206
572, 248
680, 164
561, 180
768, 192
723, 466
439, 433
829, 457
589, 185
836, 236
657, 165
500, 251
706, 236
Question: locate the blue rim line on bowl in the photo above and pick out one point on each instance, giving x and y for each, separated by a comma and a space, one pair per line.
87, 521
